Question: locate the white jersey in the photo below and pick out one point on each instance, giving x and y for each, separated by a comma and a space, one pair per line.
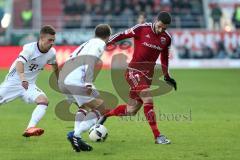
78, 71
33, 60
93, 47
91, 51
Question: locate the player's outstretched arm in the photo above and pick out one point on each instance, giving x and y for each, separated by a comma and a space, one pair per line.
20, 71
129, 33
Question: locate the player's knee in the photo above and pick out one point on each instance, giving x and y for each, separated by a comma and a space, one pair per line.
42, 100
132, 111
99, 102
146, 96
101, 107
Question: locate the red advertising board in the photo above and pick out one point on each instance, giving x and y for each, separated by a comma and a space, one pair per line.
191, 38
10, 53
196, 39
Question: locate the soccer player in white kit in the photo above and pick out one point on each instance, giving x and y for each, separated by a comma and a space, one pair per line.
20, 81
76, 80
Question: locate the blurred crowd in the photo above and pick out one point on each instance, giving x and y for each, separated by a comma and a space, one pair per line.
219, 51
122, 14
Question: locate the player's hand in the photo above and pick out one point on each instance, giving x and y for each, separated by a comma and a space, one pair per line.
89, 89
171, 82
25, 84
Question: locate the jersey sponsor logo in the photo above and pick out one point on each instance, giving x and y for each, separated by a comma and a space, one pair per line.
152, 46
163, 40
33, 67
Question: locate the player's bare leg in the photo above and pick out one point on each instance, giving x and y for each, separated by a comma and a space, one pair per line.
98, 109
38, 113
151, 116
72, 136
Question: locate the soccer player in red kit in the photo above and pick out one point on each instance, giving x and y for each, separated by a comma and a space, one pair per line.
150, 41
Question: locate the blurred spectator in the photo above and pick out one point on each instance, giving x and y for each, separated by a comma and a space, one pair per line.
236, 17
27, 15
2, 30
207, 51
186, 14
184, 52
86, 18
74, 7
1, 13
196, 7
236, 52
216, 15
141, 18
221, 50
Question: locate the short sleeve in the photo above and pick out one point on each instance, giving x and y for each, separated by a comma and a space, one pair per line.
25, 54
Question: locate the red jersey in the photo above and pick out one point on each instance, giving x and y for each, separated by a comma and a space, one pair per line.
148, 45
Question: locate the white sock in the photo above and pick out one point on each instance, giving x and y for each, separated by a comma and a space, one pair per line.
37, 115
90, 119
80, 115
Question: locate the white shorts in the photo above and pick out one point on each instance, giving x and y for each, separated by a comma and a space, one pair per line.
10, 90
73, 86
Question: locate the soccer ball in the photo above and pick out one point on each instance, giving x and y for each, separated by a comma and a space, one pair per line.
98, 133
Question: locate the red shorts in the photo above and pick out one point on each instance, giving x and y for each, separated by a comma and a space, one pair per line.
138, 81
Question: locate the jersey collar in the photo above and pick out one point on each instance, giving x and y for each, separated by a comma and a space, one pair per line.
39, 49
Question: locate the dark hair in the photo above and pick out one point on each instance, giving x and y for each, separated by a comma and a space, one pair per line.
47, 30
102, 31
164, 17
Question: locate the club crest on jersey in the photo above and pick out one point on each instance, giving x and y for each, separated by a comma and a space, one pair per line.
163, 40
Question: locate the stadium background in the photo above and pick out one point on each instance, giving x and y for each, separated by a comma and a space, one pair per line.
194, 35
208, 94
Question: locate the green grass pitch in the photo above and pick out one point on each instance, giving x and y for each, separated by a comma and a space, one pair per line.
207, 100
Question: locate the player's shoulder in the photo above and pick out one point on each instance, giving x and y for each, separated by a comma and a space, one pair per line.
96, 42
30, 46
142, 25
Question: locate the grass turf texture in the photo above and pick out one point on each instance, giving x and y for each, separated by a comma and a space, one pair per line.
212, 131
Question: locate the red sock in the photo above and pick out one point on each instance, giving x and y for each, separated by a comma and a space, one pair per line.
118, 111
151, 117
